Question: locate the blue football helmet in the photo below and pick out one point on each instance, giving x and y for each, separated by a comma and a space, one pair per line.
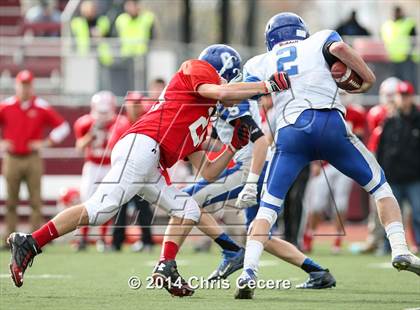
225, 59
285, 27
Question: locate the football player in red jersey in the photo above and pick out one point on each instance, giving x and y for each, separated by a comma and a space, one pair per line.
96, 133
173, 129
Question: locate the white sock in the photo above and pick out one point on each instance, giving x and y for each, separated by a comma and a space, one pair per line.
253, 253
396, 236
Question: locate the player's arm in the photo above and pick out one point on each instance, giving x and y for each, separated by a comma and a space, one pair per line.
211, 169
248, 196
352, 59
83, 136
227, 93
212, 143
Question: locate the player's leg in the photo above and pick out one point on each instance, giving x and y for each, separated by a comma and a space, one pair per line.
348, 154
319, 277
282, 171
185, 214
319, 196
226, 187
133, 160
342, 190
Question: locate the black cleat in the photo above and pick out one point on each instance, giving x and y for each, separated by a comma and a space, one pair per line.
246, 285
23, 248
318, 280
166, 275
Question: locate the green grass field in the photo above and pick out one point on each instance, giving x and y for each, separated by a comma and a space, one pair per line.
63, 279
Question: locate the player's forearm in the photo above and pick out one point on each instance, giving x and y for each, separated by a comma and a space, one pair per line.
353, 60
259, 155
234, 91
211, 169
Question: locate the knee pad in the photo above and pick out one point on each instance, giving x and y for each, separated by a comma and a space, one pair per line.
191, 211
101, 207
267, 214
383, 191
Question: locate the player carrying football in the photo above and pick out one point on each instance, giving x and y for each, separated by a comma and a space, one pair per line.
172, 130
310, 126
245, 179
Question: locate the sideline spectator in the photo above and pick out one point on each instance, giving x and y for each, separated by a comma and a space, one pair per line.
23, 119
399, 152
87, 26
399, 36
135, 29
352, 27
44, 12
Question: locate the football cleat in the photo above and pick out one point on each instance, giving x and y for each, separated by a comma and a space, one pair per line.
166, 275
231, 262
246, 284
23, 248
318, 280
408, 262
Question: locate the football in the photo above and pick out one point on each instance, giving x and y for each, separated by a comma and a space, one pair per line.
345, 77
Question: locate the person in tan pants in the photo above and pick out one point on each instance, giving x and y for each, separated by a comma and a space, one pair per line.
23, 120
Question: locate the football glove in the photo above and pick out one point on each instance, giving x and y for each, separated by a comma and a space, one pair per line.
240, 137
278, 81
247, 197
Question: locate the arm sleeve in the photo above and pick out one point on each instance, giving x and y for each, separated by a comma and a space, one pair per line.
254, 129
329, 58
79, 128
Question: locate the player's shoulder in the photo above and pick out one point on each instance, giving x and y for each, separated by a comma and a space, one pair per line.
376, 111
254, 68
8, 101
193, 65
41, 103
83, 121
323, 36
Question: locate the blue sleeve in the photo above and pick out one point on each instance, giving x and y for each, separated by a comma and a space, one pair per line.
329, 58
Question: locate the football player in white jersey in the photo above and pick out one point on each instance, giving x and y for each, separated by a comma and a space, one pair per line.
310, 126
244, 178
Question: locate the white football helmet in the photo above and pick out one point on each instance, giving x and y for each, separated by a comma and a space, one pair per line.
388, 89
102, 106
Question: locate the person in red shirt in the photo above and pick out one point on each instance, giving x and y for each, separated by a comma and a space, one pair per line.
377, 114
96, 133
172, 130
23, 120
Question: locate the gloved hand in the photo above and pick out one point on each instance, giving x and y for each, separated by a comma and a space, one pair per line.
278, 81
240, 137
247, 197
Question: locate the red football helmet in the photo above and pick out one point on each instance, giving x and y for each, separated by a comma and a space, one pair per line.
68, 197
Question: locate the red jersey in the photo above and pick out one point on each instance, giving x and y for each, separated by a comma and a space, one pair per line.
99, 150
178, 122
356, 118
375, 118
22, 123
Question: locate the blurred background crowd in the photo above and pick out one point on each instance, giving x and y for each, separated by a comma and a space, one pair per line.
66, 67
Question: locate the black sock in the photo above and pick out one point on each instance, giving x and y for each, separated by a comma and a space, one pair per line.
309, 266
226, 243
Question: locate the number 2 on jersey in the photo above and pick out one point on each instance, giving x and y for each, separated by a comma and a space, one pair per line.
286, 56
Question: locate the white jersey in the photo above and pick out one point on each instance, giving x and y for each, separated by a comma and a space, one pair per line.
225, 130
312, 86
